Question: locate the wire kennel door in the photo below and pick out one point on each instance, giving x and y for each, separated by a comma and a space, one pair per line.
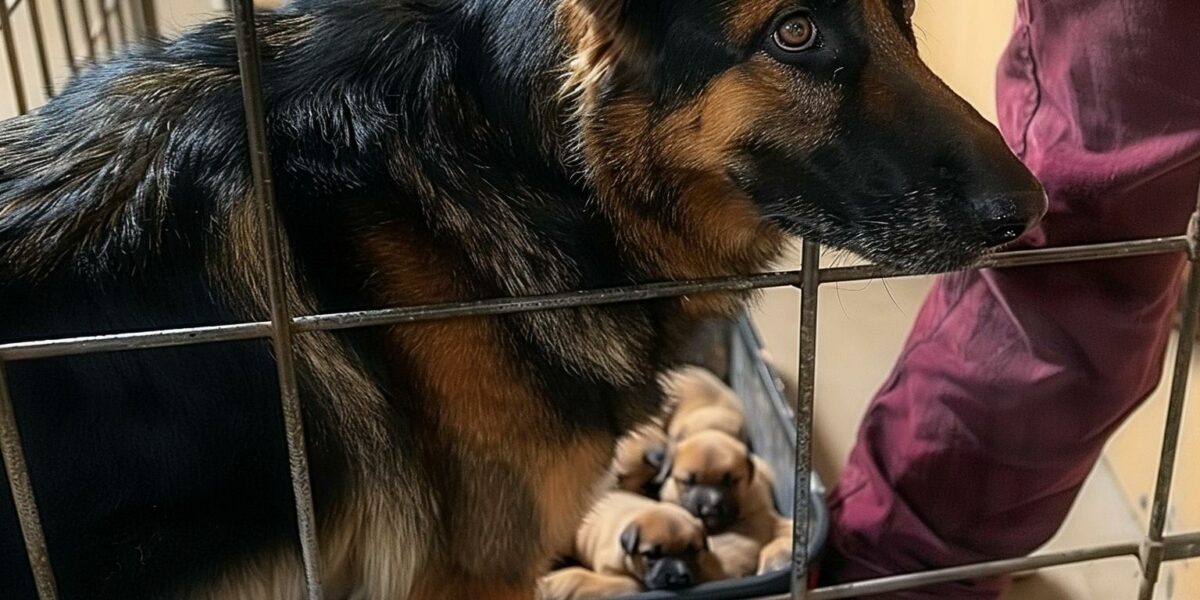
104, 26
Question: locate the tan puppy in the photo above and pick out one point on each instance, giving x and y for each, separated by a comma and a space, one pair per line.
639, 458
777, 555
627, 538
715, 478
698, 401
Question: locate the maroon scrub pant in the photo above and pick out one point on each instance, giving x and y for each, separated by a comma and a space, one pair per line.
1012, 381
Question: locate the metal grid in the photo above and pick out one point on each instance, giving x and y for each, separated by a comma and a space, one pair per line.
113, 29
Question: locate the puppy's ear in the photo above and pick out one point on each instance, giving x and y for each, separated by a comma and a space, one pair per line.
666, 463
655, 457
629, 539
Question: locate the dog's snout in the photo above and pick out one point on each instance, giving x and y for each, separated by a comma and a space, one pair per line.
712, 509
670, 574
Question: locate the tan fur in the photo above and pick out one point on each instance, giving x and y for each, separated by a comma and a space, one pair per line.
480, 409
777, 554
633, 473
746, 17
709, 456
374, 545
578, 583
598, 545
698, 401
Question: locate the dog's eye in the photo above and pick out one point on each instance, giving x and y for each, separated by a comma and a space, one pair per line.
796, 33
654, 553
728, 480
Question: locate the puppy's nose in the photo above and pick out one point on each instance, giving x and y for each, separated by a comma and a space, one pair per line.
712, 510
679, 579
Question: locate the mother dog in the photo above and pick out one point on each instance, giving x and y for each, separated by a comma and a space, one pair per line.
430, 151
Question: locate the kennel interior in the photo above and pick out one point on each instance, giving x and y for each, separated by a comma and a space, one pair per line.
33, 30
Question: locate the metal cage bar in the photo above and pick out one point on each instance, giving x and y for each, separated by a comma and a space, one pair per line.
105, 28
22, 494
1152, 549
39, 46
10, 51
281, 324
810, 284
85, 22
64, 30
114, 9
1155, 550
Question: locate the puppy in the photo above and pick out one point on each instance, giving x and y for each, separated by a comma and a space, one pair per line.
698, 401
659, 546
638, 462
715, 478
777, 554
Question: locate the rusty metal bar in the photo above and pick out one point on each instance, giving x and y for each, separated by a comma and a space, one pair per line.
1152, 554
392, 316
909, 581
39, 45
1178, 547
22, 494
113, 7
810, 284
10, 50
105, 28
149, 19
64, 30
281, 323
1025, 258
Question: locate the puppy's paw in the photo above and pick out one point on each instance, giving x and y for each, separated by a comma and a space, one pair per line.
776, 556
579, 583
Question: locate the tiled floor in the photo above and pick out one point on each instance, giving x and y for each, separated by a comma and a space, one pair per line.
862, 327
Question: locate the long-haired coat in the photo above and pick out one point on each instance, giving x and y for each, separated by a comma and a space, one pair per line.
431, 151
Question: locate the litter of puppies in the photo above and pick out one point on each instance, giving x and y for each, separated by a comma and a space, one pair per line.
690, 503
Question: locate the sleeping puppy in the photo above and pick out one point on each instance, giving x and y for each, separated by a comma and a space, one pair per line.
698, 401
638, 462
715, 478
659, 546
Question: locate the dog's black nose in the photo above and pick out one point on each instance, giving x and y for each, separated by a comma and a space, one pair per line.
679, 579
712, 510
1003, 232
1004, 219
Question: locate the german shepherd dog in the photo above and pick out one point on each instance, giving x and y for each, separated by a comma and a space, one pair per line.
435, 151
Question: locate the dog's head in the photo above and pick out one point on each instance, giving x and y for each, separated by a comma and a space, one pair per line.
732, 122
711, 473
665, 548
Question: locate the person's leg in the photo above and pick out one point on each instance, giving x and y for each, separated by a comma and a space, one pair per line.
1012, 380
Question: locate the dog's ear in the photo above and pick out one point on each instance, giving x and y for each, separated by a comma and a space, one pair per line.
666, 462
629, 539
612, 32
655, 457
